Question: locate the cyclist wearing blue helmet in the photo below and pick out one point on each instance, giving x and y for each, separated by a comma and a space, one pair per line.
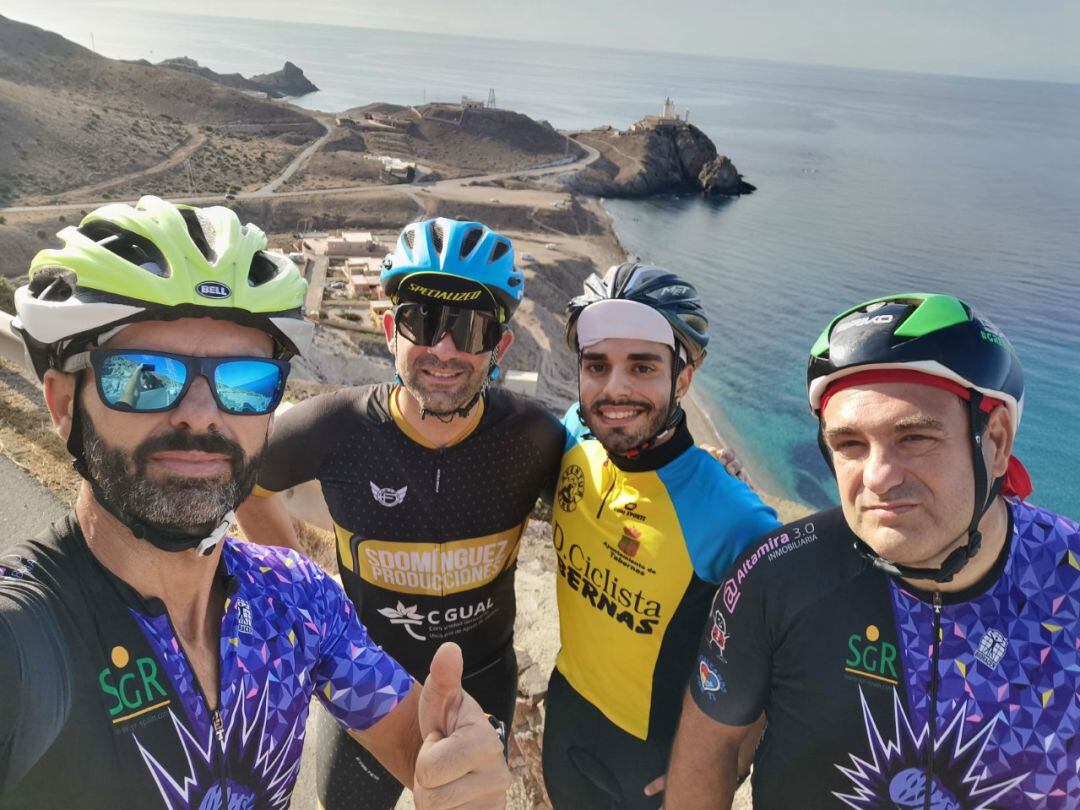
430, 480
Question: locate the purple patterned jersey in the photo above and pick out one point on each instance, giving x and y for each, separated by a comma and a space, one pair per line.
107, 712
841, 658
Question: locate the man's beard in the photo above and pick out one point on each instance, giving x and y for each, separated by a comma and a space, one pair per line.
620, 440
176, 504
443, 401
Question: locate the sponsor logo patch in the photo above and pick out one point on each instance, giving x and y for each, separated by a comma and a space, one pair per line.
134, 686
992, 647
718, 634
243, 616
437, 569
871, 658
388, 496
213, 289
571, 488
708, 678
630, 541
442, 623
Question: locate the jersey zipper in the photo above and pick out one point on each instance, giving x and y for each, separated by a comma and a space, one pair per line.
932, 731
614, 481
215, 715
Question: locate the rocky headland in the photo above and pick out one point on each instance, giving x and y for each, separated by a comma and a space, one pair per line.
289, 81
655, 157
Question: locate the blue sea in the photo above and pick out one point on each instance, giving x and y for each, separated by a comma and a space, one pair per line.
869, 183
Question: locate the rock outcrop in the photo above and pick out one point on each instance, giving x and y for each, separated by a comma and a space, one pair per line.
289, 81
186, 64
656, 159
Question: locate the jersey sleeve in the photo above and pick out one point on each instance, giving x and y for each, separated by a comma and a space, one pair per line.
719, 514
575, 426
298, 443
36, 696
354, 678
733, 667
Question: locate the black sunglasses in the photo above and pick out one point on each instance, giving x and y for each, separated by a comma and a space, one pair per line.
472, 331
145, 381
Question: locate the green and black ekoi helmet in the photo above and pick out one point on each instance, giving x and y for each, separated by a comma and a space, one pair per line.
937, 335
935, 340
157, 261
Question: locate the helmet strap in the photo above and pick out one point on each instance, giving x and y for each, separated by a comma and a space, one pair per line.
674, 410
448, 416
985, 494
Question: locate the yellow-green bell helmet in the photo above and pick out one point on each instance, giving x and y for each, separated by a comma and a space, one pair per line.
157, 261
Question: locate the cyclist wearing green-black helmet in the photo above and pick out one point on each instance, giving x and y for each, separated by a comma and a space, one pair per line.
149, 659
430, 480
916, 647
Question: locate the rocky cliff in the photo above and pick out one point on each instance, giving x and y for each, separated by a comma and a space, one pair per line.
645, 160
289, 81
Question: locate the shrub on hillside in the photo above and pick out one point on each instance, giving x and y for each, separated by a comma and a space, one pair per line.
7, 296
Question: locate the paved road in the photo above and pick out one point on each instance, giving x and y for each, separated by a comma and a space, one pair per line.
27, 507
591, 155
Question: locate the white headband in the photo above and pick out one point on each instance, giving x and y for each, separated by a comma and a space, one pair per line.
620, 318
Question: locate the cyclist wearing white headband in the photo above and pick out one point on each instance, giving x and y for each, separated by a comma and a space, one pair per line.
644, 523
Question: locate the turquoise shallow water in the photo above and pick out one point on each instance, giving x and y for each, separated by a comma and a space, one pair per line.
870, 183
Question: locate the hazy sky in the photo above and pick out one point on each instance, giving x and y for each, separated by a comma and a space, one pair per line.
1033, 39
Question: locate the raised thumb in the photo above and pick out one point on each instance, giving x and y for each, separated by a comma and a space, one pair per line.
441, 696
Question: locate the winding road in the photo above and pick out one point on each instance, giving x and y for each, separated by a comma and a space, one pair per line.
270, 190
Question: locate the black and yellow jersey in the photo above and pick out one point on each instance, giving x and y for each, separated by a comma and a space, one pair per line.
427, 538
641, 545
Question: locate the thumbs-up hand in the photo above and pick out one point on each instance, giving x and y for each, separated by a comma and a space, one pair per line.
461, 763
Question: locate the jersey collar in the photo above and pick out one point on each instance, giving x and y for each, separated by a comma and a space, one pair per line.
659, 456
976, 589
147, 605
404, 426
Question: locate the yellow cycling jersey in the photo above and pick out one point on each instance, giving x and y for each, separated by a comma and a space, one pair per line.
641, 545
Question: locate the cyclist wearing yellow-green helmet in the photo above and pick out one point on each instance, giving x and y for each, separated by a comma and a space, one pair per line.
157, 262
178, 672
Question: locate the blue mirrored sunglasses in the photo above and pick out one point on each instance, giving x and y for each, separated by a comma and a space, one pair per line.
150, 382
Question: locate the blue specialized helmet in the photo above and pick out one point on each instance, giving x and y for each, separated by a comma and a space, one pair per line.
461, 264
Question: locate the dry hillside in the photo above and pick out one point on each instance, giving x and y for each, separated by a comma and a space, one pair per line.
71, 118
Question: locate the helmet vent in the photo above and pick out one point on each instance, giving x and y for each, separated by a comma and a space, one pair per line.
438, 237
500, 250
129, 246
195, 231
53, 284
263, 269
468, 244
410, 237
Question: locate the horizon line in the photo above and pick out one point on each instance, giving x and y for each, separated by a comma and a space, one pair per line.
605, 46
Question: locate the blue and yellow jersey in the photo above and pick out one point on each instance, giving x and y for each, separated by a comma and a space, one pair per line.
641, 545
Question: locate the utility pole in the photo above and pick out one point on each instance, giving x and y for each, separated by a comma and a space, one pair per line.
93, 46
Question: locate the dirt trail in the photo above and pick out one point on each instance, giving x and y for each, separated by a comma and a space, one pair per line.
198, 138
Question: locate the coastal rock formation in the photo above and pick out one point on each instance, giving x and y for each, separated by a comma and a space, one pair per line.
719, 176
289, 81
186, 64
651, 158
